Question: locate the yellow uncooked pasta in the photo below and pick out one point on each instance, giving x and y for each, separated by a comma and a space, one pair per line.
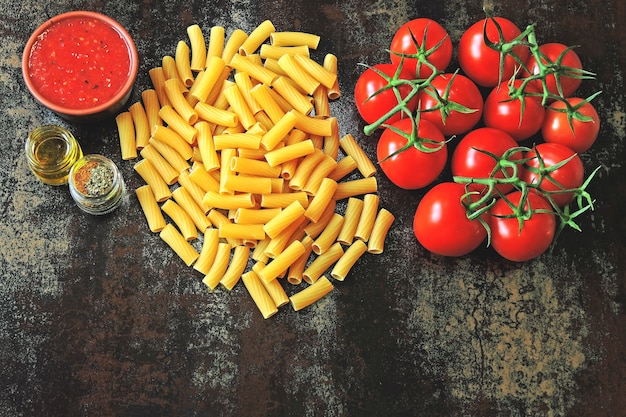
167, 172
210, 159
289, 152
282, 200
242, 231
140, 121
317, 71
225, 156
210, 77
184, 199
255, 216
314, 229
294, 274
320, 100
383, 222
327, 238
283, 38
259, 294
314, 125
179, 103
198, 47
177, 242
208, 251
216, 115
203, 179
228, 201
216, 42
311, 294
170, 154
245, 184
239, 106
322, 263
281, 262
279, 131
235, 40
344, 167
321, 171
150, 208
330, 63
299, 101
320, 201
152, 177
356, 187
157, 77
286, 237
256, 71
181, 218
298, 74
169, 68
281, 221
351, 221
353, 149
196, 192
169, 136
269, 51
304, 170
126, 132
245, 85
368, 217
276, 292
219, 266
348, 259
151, 106
178, 124
254, 167
243, 140
264, 98
236, 267
259, 35
183, 63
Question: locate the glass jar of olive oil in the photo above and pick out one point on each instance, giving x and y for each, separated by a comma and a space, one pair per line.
51, 151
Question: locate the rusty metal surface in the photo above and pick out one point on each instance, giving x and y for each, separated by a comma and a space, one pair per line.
99, 318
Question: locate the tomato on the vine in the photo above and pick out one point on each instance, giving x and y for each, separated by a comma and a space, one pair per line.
541, 171
523, 242
482, 63
374, 100
441, 223
520, 117
581, 134
452, 102
469, 159
412, 168
568, 68
437, 48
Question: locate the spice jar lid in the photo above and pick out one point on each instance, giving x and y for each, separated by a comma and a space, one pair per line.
96, 184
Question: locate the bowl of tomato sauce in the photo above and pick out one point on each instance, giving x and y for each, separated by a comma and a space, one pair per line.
81, 64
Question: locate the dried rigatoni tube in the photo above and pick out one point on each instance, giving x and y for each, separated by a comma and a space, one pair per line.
242, 231
152, 177
294, 274
289, 152
239, 106
279, 131
314, 229
151, 106
212, 74
282, 200
315, 125
284, 38
344, 167
196, 192
225, 156
304, 170
201, 177
264, 98
243, 140
126, 132
216, 115
259, 35
320, 201
198, 47
236, 267
150, 208
140, 121
208, 251
254, 167
258, 254
183, 63
283, 219
286, 237
311, 294
228, 201
219, 266
157, 77
246, 184
298, 74
181, 218
330, 63
383, 222
231, 48
259, 294
281, 262
168, 63
321, 171
180, 104
356, 187
171, 138
353, 149
289, 92
255, 216
368, 217
327, 238
322, 263
277, 292
184, 199
274, 52
177, 242
348, 259
168, 173
210, 159
351, 221
317, 71
171, 155
177, 123
320, 102
255, 70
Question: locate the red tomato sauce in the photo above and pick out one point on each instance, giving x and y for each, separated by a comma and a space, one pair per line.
79, 62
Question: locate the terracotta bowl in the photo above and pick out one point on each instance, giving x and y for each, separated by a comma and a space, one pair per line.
82, 65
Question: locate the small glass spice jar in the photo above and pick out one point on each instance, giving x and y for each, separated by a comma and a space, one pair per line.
51, 151
96, 184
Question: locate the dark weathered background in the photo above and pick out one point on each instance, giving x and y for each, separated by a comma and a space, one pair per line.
99, 318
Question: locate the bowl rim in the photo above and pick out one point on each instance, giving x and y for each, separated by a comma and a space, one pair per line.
120, 95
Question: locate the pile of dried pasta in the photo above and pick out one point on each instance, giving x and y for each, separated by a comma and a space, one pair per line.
239, 149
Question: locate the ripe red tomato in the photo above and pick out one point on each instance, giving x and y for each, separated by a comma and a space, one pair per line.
556, 127
537, 231
550, 54
481, 63
412, 168
502, 113
468, 160
441, 224
372, 106
456, 92
569, 176
404, 39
